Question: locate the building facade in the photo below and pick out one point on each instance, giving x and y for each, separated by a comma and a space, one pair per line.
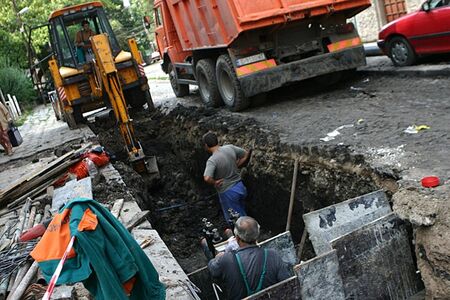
370, 21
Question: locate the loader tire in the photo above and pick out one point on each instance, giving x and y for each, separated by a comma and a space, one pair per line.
149, 100
207, 83
180, 90
70, 120
229, 86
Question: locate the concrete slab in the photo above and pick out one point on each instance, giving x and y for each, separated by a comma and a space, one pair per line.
170, 272
284, 245
375, 261
111, 175
382, 65
319, 278
72, 189
331, 222
128, 211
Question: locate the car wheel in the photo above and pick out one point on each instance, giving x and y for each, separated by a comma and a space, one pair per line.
401, 52
207, 83
180, 90
229, 86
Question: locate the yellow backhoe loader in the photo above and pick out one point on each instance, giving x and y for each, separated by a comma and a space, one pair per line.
90, 71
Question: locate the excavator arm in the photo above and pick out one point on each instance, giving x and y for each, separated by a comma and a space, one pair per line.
106, 67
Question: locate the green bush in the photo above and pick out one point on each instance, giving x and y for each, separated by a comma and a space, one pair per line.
14, 81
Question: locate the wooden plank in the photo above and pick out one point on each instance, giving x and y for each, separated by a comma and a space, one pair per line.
40, 172
375, 261
24, 179
284, 245
319, 278
288, 289
40, 182
331, 222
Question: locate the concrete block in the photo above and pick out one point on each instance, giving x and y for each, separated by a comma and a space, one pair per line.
288, 289
64, 292
170, 272
72, 189
375, 261
284, 245
319, 278
129, 210
331, 222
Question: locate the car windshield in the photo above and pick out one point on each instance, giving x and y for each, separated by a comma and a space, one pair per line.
438, 3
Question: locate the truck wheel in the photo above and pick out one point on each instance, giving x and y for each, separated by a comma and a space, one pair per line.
401, 52
180, 90
207, 83
229, 86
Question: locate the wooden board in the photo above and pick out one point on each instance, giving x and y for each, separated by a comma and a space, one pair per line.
319, 278
375, 261
331, 222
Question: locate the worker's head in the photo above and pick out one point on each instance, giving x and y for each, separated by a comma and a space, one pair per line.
210, 140
85, 24
246, 230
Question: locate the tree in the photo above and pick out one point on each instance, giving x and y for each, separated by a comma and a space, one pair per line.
125, 22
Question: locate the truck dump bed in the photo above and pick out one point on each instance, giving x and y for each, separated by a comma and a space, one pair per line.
216, 23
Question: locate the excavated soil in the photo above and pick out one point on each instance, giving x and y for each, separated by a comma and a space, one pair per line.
179, 199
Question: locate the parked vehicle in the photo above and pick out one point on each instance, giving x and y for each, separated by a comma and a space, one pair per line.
425, 31
236, 49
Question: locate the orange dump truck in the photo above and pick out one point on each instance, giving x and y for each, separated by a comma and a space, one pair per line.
236, 49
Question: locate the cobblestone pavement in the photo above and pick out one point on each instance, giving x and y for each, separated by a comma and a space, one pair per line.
40, 132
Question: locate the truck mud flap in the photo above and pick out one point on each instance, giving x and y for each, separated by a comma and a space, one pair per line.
276, 77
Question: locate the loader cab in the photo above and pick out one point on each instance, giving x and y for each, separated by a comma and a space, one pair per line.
66, 23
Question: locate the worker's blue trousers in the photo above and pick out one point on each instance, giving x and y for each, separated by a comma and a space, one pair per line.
233, 198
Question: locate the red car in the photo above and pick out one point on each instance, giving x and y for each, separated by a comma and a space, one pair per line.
426, 31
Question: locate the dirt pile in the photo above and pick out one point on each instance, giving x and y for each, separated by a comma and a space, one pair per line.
430, 215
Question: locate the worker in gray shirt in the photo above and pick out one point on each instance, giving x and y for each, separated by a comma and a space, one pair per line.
249, 269
222, 172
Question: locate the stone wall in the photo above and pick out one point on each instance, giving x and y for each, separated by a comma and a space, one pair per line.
368, 24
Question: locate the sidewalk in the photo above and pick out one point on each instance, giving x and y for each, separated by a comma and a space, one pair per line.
42, 132
383, 65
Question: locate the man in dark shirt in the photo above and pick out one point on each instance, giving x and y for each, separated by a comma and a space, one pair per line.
250, 268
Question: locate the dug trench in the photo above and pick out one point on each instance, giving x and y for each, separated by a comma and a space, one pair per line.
179, 199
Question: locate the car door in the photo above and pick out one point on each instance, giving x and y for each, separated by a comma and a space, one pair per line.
431, 32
